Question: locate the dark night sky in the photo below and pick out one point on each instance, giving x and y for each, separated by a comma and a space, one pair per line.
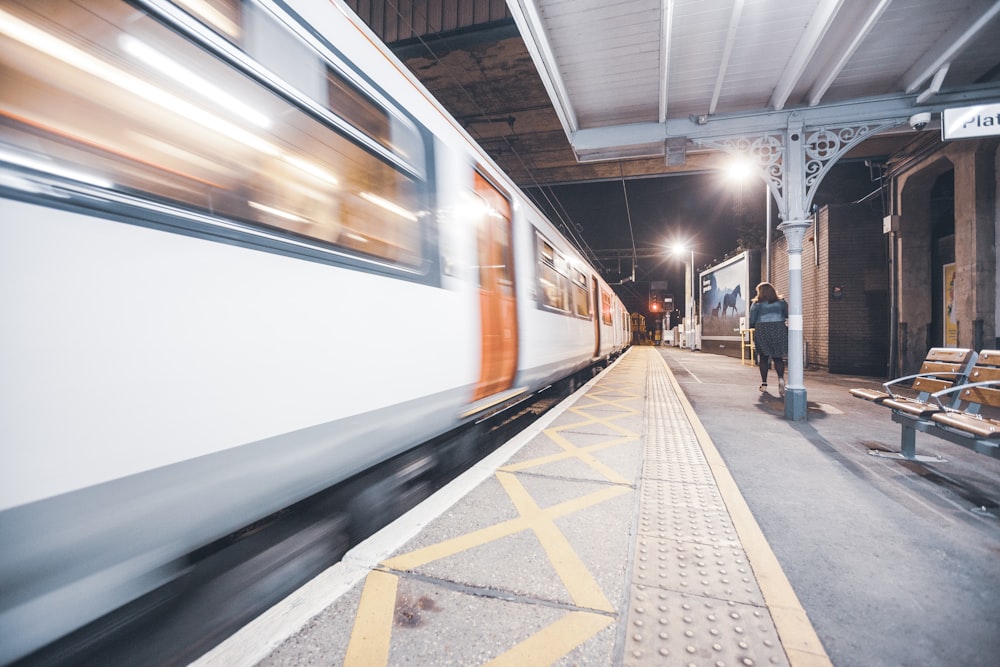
706, 210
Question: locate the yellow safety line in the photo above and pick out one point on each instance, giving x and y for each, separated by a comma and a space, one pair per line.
577, 579
554, 641
370, 638
490, 533
798, 637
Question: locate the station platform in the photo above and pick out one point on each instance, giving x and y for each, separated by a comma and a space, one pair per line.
667, 514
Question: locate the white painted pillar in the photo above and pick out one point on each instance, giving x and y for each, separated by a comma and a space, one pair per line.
795, 390
794, 227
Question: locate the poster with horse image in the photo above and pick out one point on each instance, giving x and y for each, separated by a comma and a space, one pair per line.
725, 298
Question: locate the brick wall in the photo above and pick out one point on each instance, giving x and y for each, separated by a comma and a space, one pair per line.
845, 305
859, 318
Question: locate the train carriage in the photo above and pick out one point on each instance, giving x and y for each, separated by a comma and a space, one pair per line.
204, 207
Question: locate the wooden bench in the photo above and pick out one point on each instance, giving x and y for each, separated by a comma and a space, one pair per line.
943, 367
969, 413
911, 398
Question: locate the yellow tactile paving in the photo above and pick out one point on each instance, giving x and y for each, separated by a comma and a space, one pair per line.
798, 637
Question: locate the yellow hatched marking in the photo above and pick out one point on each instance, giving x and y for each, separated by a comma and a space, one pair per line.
490, 533
370, 638
584, 455
553, 642
572, 452
577, 579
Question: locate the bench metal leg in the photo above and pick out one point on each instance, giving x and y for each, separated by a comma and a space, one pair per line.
907, 447
908, 443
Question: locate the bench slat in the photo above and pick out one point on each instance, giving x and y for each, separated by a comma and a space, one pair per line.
982, 396
982, 373
930, 385
990, 358
955, 355
982, 428
911, 406
931, 367
873, 395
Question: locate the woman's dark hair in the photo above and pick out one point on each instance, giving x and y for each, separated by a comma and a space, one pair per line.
766, 292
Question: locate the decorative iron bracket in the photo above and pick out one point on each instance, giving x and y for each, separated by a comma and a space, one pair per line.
822, 147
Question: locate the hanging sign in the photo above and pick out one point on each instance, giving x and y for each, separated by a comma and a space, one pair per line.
982, 120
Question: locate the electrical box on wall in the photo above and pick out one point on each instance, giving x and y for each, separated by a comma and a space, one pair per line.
890, 223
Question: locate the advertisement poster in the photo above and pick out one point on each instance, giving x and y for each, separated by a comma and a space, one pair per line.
724, 299
950, 324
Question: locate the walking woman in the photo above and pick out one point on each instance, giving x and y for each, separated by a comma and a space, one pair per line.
768, 313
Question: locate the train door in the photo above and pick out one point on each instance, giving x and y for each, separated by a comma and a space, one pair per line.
596, 310
498, 311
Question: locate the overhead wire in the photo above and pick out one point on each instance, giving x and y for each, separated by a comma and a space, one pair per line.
628, 215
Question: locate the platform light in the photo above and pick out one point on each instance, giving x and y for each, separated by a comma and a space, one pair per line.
680, 249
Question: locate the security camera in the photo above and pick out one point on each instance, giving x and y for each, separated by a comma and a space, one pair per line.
918, 121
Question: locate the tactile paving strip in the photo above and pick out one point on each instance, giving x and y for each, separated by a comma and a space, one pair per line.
667, 628
672, 450
697, 569
694, 598
700, 516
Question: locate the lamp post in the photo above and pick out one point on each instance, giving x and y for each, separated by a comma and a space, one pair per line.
767, 241
690, 295
740, 170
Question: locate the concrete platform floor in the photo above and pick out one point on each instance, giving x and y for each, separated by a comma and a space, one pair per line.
673, 517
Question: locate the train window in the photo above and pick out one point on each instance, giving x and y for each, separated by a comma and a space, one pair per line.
496, 266
388, 129
581, 300
105, 94
606, 307
552, 276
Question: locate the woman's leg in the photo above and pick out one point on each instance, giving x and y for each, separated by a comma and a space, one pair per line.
762, 362
779, 367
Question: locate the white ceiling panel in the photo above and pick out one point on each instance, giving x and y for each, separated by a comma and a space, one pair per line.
724, 58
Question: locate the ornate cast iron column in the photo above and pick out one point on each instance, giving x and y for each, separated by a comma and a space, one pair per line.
793, 163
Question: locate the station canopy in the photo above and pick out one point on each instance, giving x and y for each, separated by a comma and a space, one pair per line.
564, 91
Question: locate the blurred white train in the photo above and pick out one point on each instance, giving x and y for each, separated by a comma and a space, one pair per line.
244, 255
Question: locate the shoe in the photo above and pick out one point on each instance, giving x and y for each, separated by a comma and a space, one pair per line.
762, 388
781, 387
